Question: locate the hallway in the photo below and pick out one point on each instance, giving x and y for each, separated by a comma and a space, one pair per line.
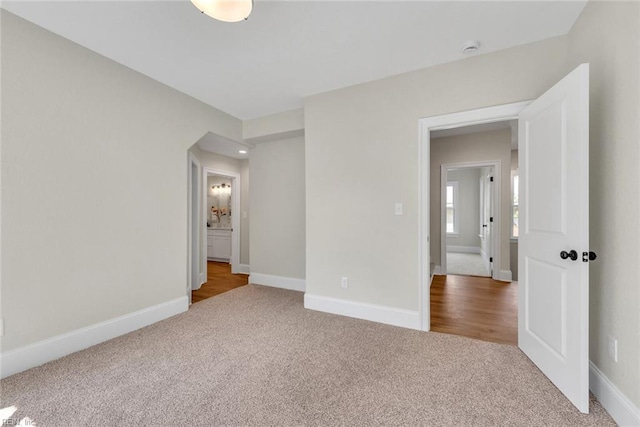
466, 264
219, 280
475, 307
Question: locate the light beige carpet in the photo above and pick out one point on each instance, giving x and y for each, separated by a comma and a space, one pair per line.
255, 356
466, 264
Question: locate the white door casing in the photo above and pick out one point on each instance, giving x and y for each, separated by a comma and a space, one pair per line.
488, 226
572, 378
235, 215
193, 227
553, 300
493, 114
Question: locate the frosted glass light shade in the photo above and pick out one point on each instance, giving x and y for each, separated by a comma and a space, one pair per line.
225, 10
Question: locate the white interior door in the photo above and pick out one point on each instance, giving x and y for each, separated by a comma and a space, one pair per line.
553, 299
488, 219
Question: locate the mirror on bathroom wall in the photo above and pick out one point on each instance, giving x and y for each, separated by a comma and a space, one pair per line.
219, 193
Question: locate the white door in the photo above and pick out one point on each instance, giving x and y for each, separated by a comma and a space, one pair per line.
488, 219
553, 299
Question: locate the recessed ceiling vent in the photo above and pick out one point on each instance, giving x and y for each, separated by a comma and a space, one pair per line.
470, 47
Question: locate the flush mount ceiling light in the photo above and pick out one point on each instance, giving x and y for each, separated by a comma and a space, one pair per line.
242, 151
471, 46
225, 10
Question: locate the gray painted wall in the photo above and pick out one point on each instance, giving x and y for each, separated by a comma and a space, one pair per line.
277, 197
473, 147
362, 157
94, 185
353, 181
607, 35
468, 208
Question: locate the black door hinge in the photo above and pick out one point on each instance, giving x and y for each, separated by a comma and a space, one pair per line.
490, 259
490, 179
491, 219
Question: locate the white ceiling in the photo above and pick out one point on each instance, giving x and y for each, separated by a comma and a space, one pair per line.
288, 50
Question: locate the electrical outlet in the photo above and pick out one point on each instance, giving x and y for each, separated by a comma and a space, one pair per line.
398, 209
613, 348
344, 282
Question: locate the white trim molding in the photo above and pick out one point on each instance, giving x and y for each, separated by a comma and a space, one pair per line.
243, 269
464, 249
235, 214
375, 313
41, 352
425, 127
621, 409
505, 276
290, 283
194, 237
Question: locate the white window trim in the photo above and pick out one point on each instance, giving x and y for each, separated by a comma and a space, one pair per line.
456, 206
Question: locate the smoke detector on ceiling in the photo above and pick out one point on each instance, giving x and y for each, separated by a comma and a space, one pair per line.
470, 47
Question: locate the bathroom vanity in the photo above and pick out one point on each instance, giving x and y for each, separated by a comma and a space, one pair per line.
219, 244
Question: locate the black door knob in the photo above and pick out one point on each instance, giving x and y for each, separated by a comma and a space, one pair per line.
571, 254
589, 256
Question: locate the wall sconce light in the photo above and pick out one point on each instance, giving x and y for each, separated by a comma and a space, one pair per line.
222, 189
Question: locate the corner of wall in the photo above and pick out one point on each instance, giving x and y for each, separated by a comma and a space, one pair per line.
290, 283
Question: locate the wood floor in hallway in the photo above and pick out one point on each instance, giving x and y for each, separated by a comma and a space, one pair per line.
475, 307
219, 280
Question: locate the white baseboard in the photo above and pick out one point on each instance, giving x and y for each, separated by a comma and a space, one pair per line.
203, 278
375, 313
41, 352
243, 269
621, 409
504, 276
464, 249
278, 281
437, 271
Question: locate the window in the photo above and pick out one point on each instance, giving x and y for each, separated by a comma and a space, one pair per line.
452, 207
514, 204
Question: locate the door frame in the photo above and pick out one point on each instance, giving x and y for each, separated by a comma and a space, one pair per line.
426, 126
495, 206
235, 215
194, 246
